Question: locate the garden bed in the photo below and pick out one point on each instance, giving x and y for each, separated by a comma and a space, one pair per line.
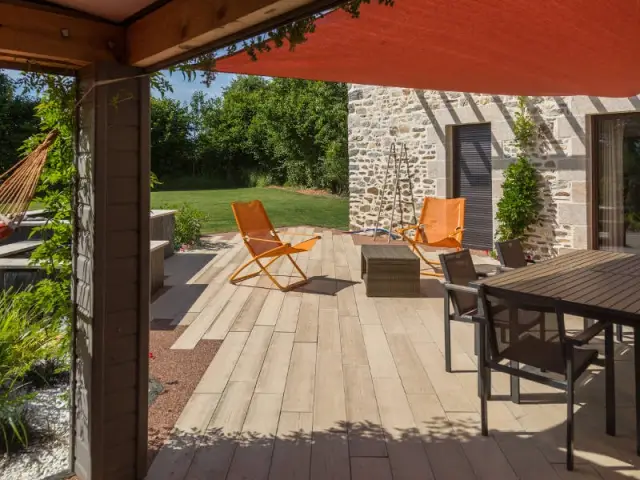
47, 416
178, 372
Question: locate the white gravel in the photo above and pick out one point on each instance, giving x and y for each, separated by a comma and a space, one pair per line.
48, 416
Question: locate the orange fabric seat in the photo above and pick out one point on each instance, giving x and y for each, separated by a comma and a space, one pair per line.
263, 242
441, 225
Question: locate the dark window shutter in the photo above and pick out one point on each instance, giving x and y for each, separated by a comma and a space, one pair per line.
472, 160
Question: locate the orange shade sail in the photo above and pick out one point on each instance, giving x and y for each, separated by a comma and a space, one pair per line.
519, 47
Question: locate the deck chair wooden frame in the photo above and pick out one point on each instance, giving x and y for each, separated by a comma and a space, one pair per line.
441, 224
264, 244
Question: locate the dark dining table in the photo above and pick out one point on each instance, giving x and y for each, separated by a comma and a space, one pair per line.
594, 284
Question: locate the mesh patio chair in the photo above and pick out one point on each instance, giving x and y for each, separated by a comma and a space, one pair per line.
511, 255
441, 225
563, 358
264, 244
458, 272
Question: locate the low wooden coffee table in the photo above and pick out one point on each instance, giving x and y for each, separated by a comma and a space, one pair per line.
390, 271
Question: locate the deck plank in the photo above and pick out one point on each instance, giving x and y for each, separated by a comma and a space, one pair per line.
215, 453
378, 352
292, 450
407, 455
354, 351
250, 362
247, 317
366, 438
271, 309
307, 328
253, 459
367, 311
288, 317
217, 375
273, 376
329, 411
228, 315
442, 448
412, 373
174, 459
330, 451
370, 469
299, 389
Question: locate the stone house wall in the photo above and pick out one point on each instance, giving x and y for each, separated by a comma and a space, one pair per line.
421, 119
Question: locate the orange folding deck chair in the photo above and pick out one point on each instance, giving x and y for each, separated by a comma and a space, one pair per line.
263, 242
441, 224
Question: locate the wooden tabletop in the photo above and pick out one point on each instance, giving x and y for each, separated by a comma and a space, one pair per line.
388, 252
593, 283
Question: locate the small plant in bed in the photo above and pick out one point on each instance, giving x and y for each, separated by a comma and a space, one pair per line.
24, 341
188, 228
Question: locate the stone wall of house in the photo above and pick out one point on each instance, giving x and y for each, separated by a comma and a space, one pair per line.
420, 119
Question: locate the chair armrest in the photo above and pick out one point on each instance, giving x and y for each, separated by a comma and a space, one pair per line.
460, 288
586, 335
456, 232
407, 228
296, 234
263, 240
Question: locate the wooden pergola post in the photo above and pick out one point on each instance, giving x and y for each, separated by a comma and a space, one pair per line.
111, 274
111, 202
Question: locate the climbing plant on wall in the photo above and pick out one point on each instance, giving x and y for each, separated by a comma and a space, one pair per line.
520, 205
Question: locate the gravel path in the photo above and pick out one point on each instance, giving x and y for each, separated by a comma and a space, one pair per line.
48, 416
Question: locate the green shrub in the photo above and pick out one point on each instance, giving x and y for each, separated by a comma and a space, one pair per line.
261, 180
519, 207
25, 340
154, 181
188, 229
336, 168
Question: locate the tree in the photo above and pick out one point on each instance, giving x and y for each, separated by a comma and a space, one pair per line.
17, 121
171, 139
307, 131
231, 155
283, 131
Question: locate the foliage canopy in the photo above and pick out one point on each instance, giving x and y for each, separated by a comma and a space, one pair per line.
282, 131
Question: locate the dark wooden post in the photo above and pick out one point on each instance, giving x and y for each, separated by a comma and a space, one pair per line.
111, 274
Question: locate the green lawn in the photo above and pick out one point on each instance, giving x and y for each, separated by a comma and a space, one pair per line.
284, 208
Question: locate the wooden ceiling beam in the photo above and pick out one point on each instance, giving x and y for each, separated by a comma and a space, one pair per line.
32, 35
184, 26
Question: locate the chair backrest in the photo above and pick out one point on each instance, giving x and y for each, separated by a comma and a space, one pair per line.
254, 225
441, 218
514, 320
511, 254
458, 269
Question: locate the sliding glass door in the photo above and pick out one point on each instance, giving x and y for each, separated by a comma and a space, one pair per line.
617, 168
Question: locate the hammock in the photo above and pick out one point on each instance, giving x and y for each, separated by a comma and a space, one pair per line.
18, 185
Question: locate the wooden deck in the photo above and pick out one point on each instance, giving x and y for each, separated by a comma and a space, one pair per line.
325, 383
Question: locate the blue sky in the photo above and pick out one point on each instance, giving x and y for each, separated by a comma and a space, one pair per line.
182, 88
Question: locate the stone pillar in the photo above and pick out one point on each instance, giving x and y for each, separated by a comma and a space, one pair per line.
111, 274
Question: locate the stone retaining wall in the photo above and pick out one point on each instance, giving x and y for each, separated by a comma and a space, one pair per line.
380, 116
